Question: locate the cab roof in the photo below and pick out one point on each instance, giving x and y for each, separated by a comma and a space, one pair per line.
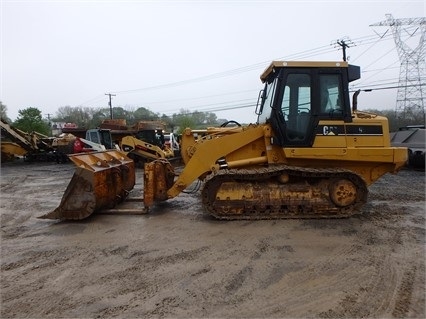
301, 64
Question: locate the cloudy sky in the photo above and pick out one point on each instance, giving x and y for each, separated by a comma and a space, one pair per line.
195, 55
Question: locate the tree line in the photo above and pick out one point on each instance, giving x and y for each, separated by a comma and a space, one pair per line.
30, 119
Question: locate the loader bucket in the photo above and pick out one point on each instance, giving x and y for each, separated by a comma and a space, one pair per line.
158, 178
100, 181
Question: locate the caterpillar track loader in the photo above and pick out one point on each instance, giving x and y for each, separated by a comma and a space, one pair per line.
310, 155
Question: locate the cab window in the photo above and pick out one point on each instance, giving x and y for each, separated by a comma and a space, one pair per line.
94, 137
331, 102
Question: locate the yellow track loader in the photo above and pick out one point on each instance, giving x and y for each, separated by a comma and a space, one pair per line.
310, 155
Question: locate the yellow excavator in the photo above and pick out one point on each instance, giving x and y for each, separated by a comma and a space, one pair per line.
141, 150
15, 142
310, 154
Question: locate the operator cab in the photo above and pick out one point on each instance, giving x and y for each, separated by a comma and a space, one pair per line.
297, 95
100, 136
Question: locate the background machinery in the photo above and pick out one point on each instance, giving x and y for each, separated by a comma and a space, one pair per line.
38, 147
147, 143
141, 142
310, 155
414, 139
172, 142
31, 146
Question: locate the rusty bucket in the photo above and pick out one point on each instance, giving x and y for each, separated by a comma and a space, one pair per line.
101, 181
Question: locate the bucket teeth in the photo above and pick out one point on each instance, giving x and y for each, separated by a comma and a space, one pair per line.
101, 181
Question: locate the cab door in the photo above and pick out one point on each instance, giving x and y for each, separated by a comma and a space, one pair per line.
292, 117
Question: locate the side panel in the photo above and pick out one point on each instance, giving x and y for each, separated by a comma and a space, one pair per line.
368, 132
362, 132
362, 146
330, 134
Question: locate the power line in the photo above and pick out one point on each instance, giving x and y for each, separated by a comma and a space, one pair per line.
200, 98
381, 69
211, 106
242, 106
368, 89
365, 40
299, 55
96, 98
218, 109
378, 71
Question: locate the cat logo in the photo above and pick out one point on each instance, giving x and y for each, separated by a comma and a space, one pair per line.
325, 130
329, 130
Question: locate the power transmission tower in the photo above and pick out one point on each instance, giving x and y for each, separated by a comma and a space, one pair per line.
412, 76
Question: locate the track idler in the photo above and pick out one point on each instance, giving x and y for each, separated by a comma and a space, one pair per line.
100, 181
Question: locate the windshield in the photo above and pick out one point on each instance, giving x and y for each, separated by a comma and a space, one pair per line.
106, 137
266, 102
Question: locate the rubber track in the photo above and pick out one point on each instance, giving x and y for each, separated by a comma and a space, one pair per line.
214, 181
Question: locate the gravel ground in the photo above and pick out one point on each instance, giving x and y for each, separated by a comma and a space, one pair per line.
176, 262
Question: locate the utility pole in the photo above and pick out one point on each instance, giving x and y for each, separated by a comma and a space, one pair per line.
50, 124
48, 116
110, 104
344, 44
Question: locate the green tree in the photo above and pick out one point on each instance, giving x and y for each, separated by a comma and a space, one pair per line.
97, 116
170, 126
30, 120
211, 118
144, 114
130, 115
195, 119
119, 113
3, 111
184, 122
81, 116
398, 119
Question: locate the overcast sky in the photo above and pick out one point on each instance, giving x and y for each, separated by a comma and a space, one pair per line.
196, 55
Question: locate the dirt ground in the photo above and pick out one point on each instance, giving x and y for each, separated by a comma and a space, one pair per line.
176, 262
